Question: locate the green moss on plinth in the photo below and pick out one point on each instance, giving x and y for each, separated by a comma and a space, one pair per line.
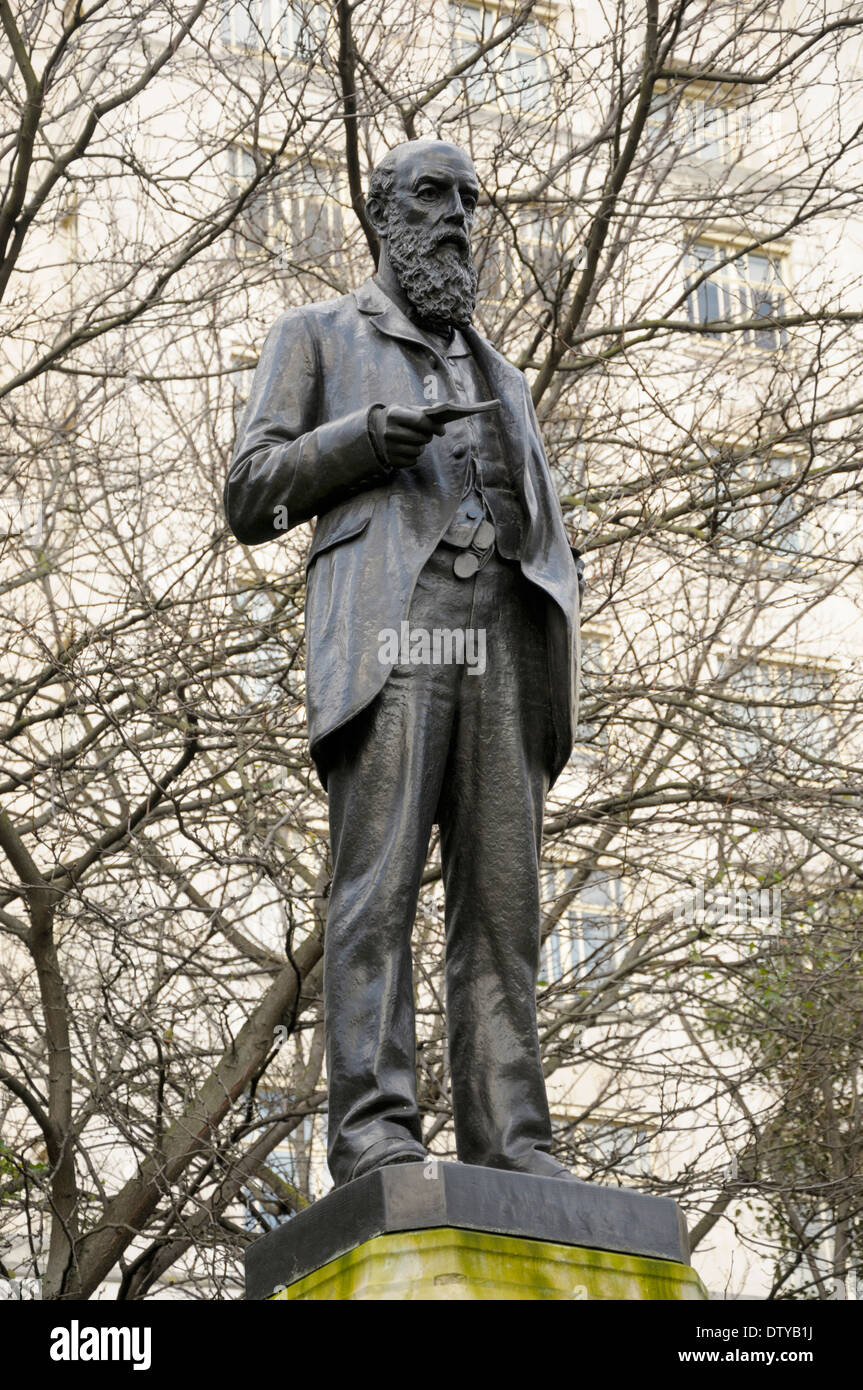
472, 1265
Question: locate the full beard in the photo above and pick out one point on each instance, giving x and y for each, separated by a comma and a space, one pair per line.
439, 280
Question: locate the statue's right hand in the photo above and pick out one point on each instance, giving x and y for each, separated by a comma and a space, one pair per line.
405, 433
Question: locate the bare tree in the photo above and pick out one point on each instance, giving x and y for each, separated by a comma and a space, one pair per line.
670, 207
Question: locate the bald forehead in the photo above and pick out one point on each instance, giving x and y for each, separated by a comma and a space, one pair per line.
436, 157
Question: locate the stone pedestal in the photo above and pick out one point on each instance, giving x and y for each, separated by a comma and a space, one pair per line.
449, 1231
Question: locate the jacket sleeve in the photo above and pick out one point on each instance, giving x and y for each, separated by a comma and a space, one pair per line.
286, 466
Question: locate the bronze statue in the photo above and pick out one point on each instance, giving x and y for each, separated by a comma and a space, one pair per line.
436, 513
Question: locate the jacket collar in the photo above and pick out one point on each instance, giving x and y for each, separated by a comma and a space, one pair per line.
387, 315
390, 319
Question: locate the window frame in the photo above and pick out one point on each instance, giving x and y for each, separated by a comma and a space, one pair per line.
785, 546
593, 735
725, 285
489, 83
764, 678
583, 1134
285, 199
271, 28
678, 113
568, 943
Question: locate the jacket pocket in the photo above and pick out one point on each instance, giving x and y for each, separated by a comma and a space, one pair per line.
341, 524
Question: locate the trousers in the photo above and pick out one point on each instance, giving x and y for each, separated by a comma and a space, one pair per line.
469, 749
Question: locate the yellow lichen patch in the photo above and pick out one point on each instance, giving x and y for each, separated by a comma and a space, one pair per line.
452, 1265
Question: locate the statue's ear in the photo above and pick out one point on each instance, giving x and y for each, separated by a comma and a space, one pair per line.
376, 213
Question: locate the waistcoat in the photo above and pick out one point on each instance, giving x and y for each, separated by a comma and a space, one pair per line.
487, 472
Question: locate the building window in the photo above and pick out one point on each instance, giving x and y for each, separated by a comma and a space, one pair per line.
541, 248
314, 215
515, 74
240, 379
527, 257
587, 931
705, 126
597, 1148
710, 128
259, 674
294, 30
783, 519
594, 665
617, 1148
783, 710
283, 1184
725, 287
295, 213
256, 223
774, 519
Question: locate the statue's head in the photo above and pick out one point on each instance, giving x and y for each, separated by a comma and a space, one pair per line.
422, 199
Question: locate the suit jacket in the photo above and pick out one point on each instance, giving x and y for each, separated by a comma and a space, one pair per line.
304, 445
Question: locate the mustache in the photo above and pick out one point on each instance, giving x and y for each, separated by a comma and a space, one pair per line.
451, 236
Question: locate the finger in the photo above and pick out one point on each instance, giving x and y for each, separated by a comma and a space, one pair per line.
407, 414
407, 454
408, 437
406, 443
416, 421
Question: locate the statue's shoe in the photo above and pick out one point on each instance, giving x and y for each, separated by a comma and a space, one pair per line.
540, 1165
383, 1154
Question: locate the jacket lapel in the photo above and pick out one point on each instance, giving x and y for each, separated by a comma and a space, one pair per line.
507, 383
386, 315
